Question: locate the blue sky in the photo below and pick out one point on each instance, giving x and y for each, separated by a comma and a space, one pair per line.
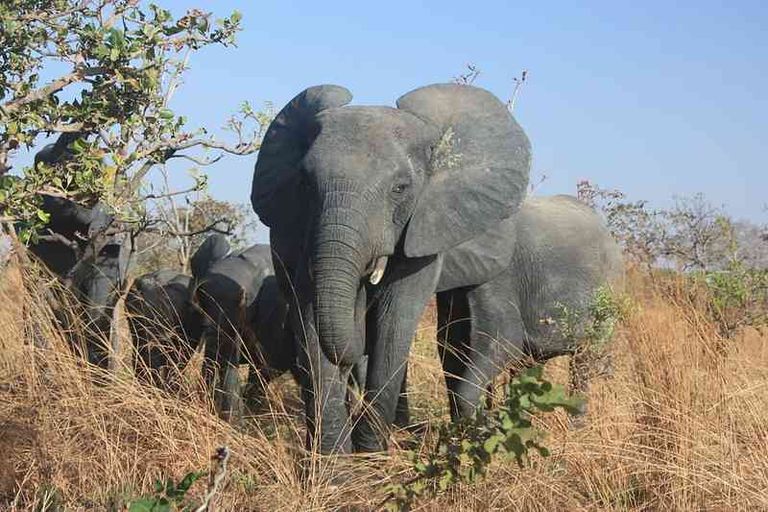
649, 97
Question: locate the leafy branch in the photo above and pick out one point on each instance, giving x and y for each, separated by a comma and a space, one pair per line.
464, 449
123, 61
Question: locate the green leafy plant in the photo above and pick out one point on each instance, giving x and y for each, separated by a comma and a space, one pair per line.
592, 326
463, 450
168, 495
100, 74
736, 297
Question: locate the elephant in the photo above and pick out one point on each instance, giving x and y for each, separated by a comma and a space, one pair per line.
165, 327
240, 298
241, 305
362, 203
557, 253
85, 248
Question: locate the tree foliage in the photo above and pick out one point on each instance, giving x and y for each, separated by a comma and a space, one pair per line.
102, 71
722, 260
692, 234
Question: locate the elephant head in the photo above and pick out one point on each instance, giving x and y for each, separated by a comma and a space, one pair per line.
376, 182
81, 245
213, 249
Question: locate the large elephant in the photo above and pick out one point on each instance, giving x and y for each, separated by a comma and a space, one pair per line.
242, 307
83, 246
165, 326
556, 253
362, 202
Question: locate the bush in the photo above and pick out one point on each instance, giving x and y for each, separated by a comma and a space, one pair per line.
464, 449
736, 298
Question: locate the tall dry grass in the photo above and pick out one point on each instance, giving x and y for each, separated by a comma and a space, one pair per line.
681, 425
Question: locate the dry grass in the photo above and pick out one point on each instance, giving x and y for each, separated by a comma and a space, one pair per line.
682, 425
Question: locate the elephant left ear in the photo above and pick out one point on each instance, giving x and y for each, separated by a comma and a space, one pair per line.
478, 169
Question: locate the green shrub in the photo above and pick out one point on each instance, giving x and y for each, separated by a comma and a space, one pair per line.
464, 449
168, 495
736, 297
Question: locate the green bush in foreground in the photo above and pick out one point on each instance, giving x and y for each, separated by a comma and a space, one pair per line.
463, 450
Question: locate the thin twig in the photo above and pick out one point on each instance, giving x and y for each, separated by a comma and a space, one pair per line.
516, 91
218, 472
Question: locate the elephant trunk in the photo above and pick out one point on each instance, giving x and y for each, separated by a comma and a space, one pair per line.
338, 264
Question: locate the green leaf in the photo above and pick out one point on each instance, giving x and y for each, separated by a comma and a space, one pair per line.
189, 479
143, 505
492, 443
44, 216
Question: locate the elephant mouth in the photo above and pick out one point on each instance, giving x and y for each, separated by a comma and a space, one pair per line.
376, 268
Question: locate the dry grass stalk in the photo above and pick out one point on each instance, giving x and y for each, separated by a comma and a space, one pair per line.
682, 425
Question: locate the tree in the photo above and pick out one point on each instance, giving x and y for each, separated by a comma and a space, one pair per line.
180, 229
99, 75
122, 61
635, 226
692, 235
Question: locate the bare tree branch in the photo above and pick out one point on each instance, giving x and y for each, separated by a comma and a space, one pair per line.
198, 161
47, 90
519, 81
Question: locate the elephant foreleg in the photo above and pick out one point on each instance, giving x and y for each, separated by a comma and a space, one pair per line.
393, 318
220, 368
323, 384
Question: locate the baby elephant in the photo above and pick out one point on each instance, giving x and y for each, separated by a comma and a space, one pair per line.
165, 327
557, 253
244, 320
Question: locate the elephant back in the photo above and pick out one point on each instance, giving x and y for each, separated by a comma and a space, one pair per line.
239, 275
564, 253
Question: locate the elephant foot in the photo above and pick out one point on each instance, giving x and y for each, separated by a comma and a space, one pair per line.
327, 471
402, 421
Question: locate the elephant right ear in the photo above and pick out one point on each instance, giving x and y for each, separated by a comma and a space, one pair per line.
277, 176
214, 248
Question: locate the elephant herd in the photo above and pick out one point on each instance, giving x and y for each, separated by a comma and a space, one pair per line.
373, 212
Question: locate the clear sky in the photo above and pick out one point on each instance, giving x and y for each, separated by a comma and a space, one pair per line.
654, 98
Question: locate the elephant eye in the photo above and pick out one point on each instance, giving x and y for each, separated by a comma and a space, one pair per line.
399, 188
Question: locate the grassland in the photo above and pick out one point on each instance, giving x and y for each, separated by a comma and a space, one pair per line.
681, 425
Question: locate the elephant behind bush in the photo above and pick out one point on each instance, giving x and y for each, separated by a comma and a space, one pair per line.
558, 255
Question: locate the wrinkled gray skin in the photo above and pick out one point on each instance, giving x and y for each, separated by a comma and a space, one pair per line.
165, 326
343, 187
240, 299
556, 252
241, 305
79, 248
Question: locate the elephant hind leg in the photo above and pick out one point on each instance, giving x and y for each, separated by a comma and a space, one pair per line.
489, 337
402, 411
453, 333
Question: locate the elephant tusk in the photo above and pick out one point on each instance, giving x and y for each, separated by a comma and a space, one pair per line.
378, 270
